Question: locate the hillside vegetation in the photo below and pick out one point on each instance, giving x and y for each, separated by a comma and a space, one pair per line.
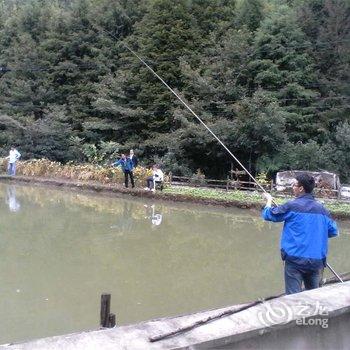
271, 78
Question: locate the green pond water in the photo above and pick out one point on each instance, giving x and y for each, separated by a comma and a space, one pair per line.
61, 249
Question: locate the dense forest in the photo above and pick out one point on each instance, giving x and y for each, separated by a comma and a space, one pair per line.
269, 77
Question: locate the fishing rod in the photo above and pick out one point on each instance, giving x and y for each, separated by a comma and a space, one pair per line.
201, 121
186, 105
198, 118
335, 274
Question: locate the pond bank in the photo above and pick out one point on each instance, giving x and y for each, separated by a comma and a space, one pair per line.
239, 199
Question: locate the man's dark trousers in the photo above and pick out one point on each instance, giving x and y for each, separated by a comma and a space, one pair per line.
294, 275
128, 173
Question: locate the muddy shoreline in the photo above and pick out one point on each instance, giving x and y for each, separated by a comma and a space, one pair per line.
138, 192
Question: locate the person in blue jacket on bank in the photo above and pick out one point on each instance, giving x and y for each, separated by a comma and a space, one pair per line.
127, 167
304, 240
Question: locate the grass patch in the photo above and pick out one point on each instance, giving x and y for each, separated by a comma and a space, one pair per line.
338, 208
217, 194
335, 207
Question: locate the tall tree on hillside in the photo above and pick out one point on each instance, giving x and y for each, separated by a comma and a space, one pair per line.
327, 24
112, 118
283, 66
251, 13
166, 33
23, 90
138, 103
213, 18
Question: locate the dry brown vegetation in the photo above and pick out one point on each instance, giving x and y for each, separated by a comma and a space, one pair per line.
82, 172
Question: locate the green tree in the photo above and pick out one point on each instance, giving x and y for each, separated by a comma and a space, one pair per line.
213, 18
338, 151
167, 32
22, 89
283, 67
251, 13
326, 23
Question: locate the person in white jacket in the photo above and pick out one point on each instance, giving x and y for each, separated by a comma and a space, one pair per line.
13, 156
157, 176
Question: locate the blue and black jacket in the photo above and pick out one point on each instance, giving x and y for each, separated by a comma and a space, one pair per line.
135, 161
126, 164
307, 227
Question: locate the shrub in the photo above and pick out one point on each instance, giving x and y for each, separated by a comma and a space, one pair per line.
198, 178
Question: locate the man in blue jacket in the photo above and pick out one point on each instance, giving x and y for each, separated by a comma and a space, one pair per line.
127, 167
304, 240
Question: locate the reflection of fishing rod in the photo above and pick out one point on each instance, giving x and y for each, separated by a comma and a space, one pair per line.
201, 121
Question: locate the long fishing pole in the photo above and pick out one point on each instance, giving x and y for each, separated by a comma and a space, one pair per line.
198, 118
201, 121
335, 274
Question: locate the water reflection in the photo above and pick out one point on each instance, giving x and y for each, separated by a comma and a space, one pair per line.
154, 215
125, 219
131, 219
155, 258
125, 210
11, 200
